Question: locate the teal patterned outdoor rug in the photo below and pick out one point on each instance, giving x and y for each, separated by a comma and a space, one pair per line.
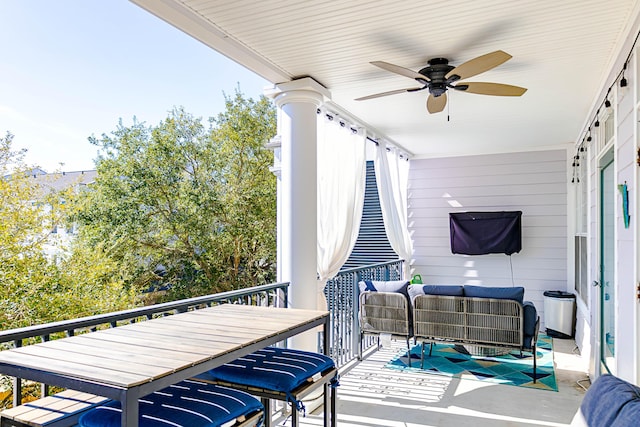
511, 369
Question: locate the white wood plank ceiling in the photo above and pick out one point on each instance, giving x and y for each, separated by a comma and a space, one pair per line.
563, 52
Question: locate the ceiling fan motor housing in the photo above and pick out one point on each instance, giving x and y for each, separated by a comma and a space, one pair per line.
435, 73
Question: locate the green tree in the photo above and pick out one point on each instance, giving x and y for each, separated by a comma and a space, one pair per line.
35, 288
185, 204
22, 234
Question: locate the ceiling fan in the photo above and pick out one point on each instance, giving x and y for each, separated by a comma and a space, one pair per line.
439, 76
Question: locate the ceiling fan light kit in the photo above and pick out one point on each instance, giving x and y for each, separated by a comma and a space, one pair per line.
439, 76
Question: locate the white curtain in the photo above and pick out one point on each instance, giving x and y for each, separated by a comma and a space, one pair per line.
392, 175
341, 184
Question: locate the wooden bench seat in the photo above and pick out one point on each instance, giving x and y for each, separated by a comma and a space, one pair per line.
59, 410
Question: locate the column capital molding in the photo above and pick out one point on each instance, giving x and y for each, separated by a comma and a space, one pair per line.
301, 90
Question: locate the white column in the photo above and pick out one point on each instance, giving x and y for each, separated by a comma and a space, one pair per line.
298, 102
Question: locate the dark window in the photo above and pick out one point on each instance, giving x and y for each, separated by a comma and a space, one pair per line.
581, 284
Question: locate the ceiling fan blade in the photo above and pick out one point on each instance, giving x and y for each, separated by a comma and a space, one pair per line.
400, 70
497, 89
479, 64
436, 104
391, 92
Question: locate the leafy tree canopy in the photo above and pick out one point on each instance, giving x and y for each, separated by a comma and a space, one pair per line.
34, 287
185, 204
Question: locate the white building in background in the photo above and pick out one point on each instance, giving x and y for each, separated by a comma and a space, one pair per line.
60, 235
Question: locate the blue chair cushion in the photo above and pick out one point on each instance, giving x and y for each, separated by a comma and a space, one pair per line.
187, 403
611, 401
272, 368
515, 293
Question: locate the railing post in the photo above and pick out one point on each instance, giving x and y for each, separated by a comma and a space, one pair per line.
355, 339
17, 382
44, 388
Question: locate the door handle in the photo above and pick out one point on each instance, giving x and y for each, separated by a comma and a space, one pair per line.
596, 283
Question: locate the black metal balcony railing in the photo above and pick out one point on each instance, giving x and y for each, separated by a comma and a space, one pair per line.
342, 300
275, 295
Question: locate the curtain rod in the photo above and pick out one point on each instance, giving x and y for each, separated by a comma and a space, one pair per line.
354, 128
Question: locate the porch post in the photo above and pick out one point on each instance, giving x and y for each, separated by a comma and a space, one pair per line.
298, 102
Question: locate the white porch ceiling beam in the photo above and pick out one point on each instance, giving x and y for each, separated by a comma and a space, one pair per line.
198, 27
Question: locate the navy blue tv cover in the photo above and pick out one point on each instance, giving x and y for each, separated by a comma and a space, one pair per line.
480, 233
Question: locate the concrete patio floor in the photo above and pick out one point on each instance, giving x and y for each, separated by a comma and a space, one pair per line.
370, 395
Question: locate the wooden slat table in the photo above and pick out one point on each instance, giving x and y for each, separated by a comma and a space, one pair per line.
131, 361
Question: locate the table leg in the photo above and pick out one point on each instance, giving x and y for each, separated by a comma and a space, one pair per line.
130, 409
334, 415
326, 392
266, 402
325, 336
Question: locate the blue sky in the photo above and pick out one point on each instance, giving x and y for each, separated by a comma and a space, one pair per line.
74, 68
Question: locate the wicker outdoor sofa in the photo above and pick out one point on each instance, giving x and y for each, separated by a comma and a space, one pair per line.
478, 317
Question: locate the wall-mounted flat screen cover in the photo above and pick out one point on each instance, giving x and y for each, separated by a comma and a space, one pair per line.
480, 233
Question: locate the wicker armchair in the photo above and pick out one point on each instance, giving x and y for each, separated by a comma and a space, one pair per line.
385, 313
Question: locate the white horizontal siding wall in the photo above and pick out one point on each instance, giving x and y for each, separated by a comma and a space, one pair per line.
533, 182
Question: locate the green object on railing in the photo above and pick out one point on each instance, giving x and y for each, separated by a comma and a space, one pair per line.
416, 279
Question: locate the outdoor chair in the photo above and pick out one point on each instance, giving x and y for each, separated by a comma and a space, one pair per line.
187, 403
610, 402
385, 309
281, 374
